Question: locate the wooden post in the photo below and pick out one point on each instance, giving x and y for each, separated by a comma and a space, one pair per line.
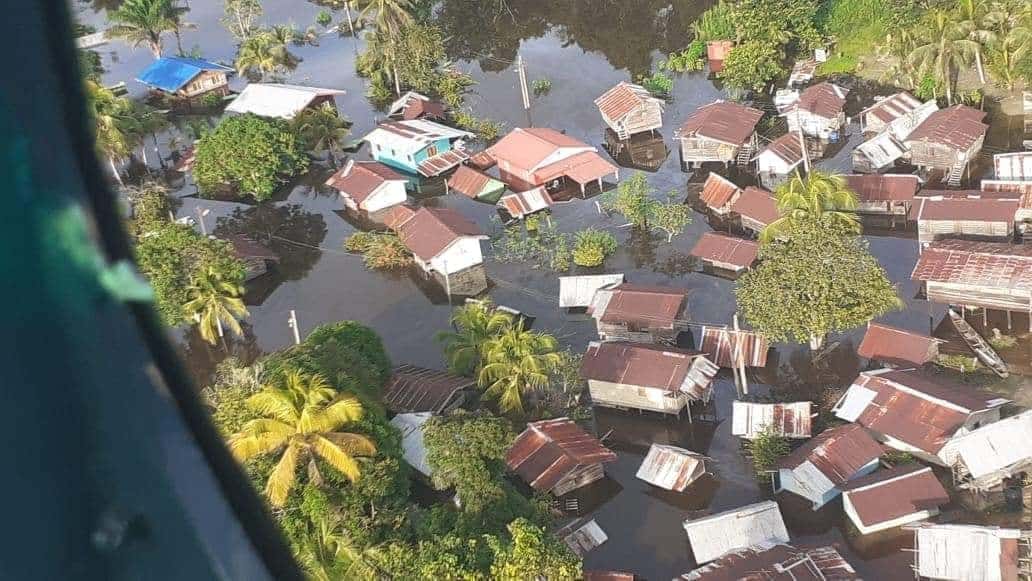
740, 357
347, 10
292, 322
521, 72
1009, 327
985, 319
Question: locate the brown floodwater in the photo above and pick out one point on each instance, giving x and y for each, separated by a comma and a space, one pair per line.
584, 47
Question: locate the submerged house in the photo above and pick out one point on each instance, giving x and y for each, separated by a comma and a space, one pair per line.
726, 253
892, 498
781, 157
670, 467
280, 101
413, 389
960, 552
948, 140
892, 120
557, 456
753, 525
646, 377
989, 275
413, 105
819, 112
776, 562
582, 536
884, 194
577, 292
916, 412
369, 186
474, 184
413, 448
186, 77
719, 193
887, 112
817, 469
644, 314
537, 156
878, 153
418, 146
985, 458
756, 208
789, 420
628, 109
522, 204
722, 132
946, 214
441, 240
734, 347
898, 347
256, 257
1015, 166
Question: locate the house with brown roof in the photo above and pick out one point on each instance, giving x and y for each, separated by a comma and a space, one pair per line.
756, 208
628, 109
886, 111
884, 194
898, 347
945, 214
780, 158
819, 112
522, 204
891, 121
537, 156
778, 562
255, 256
721, 131
719, 193
892, 498
413, 389
725, 253
474, 184
817, 469
644, 314
557, 456
441, 239
990, 275
369, 186
646, 377
914, 411
671, 468
948, 140
413, 105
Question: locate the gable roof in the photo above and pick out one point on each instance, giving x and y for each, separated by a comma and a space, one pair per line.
787, 148
727, 249
965, 209
643, 365
790, 419
893, 107
989, 264
407, 137
958, 127
418, 389
550, 449
722, 121
887, 495
881, 150
997, 449
276, 99
757, 204
717, 191
671, 467
883, 187
639, 306
778, 562
527, 147
623, 99
430, 231
891, 344
359, 179
823, 100
520, 204
413, 105
172, 73
470, 182
739, 528
838, 453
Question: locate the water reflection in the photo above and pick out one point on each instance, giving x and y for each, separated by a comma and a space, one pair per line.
289, 230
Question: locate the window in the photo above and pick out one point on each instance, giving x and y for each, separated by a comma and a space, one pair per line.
431, 150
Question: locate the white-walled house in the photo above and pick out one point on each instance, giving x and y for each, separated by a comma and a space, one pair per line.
780, 157
369, 186
819, 112
892, 498
817, 469
441, 240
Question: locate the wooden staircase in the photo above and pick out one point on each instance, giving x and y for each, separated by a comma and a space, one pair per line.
744, 157
955, 175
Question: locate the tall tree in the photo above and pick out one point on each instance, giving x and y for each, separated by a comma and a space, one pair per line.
474, 324
241, 16
516, 363
971, 14
533, 554
300, 419
328, 553
265, 53
819, 198
633, 199
389, 16
116, 127
214, 302
945, 49
322, 129
145, 21
1010, 47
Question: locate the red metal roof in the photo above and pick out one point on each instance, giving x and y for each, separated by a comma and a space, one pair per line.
823, 99
417, 389
893, 107
786, 147
777, 563
622, 99
430, 231
582, 168
640, 365
958, 127
788, 419
890, 494
644, 307
965, 209
987, 264
398, 215
525, 147
359, 179
883, 187
482, 160
550, 449
723, 121
442, 162
416, 108
520, 204
727, 249
838, 453
717, 191
757, 204
720, 345
468, 181
889, 344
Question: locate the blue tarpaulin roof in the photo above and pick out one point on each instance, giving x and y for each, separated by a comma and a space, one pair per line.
173, 72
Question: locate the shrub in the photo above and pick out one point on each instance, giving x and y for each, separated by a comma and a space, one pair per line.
592, 246
324, 18
692, 58
961, 363
380, 250
1000, 341
541, 86
715, 23
546, 248
658, 84
766, 450
485, 129
750, 66
359, 241
211, 100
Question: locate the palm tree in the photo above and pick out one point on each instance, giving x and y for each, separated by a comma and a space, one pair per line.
321, 129
330, 553
517, 362
947, 47
971, 22
390, 16
1010, 44
116, 128
264, 53
819, 197
474, 324
215, 301
145, 21
300, 419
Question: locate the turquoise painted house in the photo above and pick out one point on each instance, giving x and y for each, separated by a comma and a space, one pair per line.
418, 146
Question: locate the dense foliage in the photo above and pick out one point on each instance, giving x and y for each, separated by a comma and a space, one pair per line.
750, 66
249, 155
715, 23
766, 449
591, 247
466, 453
379, 250
633, 198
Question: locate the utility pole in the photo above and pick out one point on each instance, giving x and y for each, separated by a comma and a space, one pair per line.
292, 323
347, 11
739, 357
521, 72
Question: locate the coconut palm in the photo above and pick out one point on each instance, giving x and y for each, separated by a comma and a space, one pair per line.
389, 16
322, 128
819, 197
299, 421
971, 13
946, 48
264, 53
474, 324
1011, 42
215, 301
330, 553
116, 127
145, 21
517, 362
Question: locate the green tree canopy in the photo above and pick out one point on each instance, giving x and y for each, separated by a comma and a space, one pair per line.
750, 66
533, 554
249, 155
145, 21
467, 452
812, 281
516, 363
818, 198
474, 324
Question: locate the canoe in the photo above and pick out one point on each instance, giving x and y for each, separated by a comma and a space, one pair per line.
986, 354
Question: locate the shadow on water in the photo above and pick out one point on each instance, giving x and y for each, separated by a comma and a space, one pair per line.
289, 230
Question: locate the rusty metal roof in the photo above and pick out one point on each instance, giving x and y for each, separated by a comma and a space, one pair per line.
718, 191
430, 231
468, 181
639, 306
965, 209
890, 494
823, 99
883, 187
791, 420
758, 204
442, 162
520, 204
245, 247
777, 563
550, 449
893, 107
642, 365
670, 467
716, 535
722, 121
726, 347
726, 249
608, 576
838, 453
359, 179
890, 344
418, 389
786, 147
623, 99
958, 127
983, 264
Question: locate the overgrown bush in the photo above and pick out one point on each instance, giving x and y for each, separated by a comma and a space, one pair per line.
211, 100
961, 363
541, 86
750, 66
546, 248
999, 341
359, 242
715, 23
592, 246
324, 18
690, 59
485, 129
658, 84
766, 450
379, 250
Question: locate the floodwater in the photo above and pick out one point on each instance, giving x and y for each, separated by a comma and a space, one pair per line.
584, 47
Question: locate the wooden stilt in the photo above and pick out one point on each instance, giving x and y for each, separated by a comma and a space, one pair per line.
1009, 326
985, 318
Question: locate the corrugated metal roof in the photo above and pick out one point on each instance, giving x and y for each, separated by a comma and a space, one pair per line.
407, 137
526, 148
890, 344
442, 162
277, 100
994, 451
726, 249
472, 183
728, 347
777, 563
786, 147
417, 389
967, 552
958, 127
582, 537
413, 448
883, 187
881, 150
583, 168
431, 231
359, 179
791, 420
577, 291
640, 307
823, 100
671, 467
893, 107
521, 204
413, 105
722, 121
757, 204
172, 73
964, 210
1013, 166
888, 495
550, 449
739, 528
838, 454
641, 365
623, 99
718, 191
984, 264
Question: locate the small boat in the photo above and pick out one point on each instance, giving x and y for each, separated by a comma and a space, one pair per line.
980, 346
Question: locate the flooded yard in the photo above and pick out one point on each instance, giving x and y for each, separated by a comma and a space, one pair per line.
584, 48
